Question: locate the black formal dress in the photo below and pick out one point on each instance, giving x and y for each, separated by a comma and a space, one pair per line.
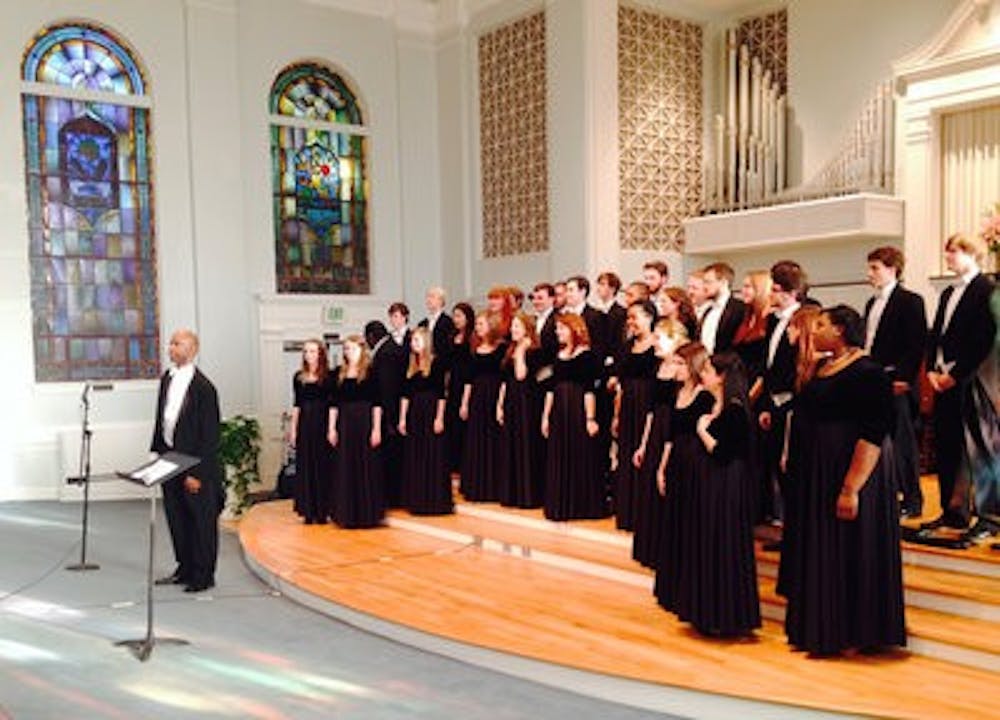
426, 478
358, 482
846, 590
459, 366
574, 478
522, 445
963, 344
898, 345
482, 459
686, 467
313, 454
718, 581
647, 538
387, 372
635, 373
193, 516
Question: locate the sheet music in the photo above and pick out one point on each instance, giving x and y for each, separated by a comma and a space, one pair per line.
154, 472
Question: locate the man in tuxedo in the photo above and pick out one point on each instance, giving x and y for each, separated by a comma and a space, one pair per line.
961, 338
896, 336
788, 282
187, 420
577, 290
655, 274
608, 285
399, 320
725, 312
438, 323
695, 288
560, 295
388, 371
543, 297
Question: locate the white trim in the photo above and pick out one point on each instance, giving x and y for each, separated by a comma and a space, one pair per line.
80, 95
310, 124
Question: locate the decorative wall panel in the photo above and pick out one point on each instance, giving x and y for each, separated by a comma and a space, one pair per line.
767, 38
660, 128
512, 141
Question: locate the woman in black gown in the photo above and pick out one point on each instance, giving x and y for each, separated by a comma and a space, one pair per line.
464, 318
647, 539
481, 460
426, 479
519, 412
355, 432
846, 589
313, 387
574, 485
718, 582
683, 464
632, 381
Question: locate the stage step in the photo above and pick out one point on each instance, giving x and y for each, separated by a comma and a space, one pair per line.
952, 616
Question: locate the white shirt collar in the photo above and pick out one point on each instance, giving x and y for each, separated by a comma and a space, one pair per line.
968, 276
578, 310
886, 290
182, 371
723, 298
787, 312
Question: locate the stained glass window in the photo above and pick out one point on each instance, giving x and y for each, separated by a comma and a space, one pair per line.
319, 149
90, 226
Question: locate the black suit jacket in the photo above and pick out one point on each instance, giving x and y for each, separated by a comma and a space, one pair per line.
197, 429
441, 339
780, 376
596, 324
969, 336
388, 371
901, 336
732, 317
615, 324
548, 340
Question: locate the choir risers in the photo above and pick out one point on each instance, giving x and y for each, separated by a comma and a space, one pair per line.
862, 217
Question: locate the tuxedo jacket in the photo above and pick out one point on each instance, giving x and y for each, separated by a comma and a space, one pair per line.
388, 371
197, 430
548, 340
901, 336
444, 332
596, 324
780, 376
615, 325
732, 317
969, 337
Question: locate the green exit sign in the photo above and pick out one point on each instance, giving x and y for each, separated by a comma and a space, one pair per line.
333, 315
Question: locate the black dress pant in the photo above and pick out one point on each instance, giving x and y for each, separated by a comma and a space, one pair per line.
904, 440
194, 530
949, 447
774, 481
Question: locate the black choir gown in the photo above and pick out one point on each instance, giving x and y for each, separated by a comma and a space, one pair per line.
574, 476
426, 478
313, 454
522, 444
845, 589
718, 582
635, 372
647, 540
481, 459
454, 425
358, 483
687, 465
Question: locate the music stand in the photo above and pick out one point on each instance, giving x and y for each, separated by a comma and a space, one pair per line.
86, 434
150, 475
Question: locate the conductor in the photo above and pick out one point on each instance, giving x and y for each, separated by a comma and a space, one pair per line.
187, 420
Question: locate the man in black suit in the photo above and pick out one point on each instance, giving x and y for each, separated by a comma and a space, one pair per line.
399, 324
187, 420
543, 297
896, 336
961, 338
388, 371
577, 290
725, 312
788, 282
608, 285
438, 323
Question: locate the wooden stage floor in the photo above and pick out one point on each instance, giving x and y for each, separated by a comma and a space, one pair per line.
569, 594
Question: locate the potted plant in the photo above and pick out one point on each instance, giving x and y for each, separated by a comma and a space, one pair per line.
239, 452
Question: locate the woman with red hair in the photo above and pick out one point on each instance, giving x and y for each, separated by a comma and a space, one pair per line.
574, 483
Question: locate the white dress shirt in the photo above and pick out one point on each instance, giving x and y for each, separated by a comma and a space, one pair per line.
432, 321
875, 314
543, 318
784, 316
713, 316
180, 381
949, 310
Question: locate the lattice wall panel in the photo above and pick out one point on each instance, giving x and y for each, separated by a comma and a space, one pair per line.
512, 138
660, 128
767, 38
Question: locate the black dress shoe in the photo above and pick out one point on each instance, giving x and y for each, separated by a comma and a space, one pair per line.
773, 546
980, 531
945, 520
199, 587
910, 511
173, 579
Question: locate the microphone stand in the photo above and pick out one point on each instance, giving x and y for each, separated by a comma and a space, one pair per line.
84, 479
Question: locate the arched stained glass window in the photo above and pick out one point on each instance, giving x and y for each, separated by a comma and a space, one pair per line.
320, 183
91, 241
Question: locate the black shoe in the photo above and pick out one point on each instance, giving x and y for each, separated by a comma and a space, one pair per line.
945, 520
980, 531
772, 546
199, 587
910, 511
173, 579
